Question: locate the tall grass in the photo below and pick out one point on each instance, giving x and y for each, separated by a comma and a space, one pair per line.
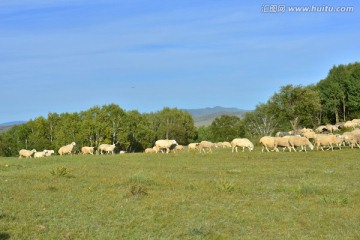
312, 195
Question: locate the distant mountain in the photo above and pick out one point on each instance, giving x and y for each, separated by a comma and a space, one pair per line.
205, 116
6, 126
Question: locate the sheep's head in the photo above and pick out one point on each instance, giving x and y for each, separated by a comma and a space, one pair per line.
73, 143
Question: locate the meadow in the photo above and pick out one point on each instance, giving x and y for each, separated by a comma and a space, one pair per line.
313, 195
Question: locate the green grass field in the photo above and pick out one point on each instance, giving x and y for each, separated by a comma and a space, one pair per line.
313, 195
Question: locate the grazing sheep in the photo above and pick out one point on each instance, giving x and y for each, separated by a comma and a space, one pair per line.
266, 142
166, 144
309, 135
67, 149
356, 121
241, 142
351, 124
304, 130
48, 153
226, 145
150, 150
282, 142
298, 141
179, 147
320, 129
355, 131
156, 149
322, 140
350, 139
332, 128
40, 154
85, 150
205, 145
26, 153
193, 146
106, 148
123, 152
356, 139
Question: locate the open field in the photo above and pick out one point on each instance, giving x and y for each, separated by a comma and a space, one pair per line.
313, 195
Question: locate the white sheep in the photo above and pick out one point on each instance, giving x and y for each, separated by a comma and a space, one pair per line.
67, 149
107, 148
356, 121
226, 145
356, 139
40, 154
205, 145
351, 124
48, 153
179, 148
304, 130
26, 153
218, 144
150, 150
355, 131
320, 129
241, 142
266, 142
85, 150
282, 142
322, 140
193, 146
332, 128
166, 144
123, 152
298, 141
309, 135
350, 139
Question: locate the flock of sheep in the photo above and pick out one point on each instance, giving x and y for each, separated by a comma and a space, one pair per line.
67, 150
323, 137
292, 141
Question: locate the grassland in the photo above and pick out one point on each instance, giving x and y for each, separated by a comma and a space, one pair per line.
313, 195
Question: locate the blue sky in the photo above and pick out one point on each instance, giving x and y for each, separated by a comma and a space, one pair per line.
69, 55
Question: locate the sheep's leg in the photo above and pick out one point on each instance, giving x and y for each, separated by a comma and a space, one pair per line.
243, 148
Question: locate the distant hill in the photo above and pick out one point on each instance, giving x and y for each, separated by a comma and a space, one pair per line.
6, 126
205, 116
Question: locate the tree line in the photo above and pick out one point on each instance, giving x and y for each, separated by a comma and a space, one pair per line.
129, 130
333, 99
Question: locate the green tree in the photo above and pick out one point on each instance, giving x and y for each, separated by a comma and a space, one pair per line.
204, 134
173, 124
260, 122
297, 104
226, 128
139, 132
